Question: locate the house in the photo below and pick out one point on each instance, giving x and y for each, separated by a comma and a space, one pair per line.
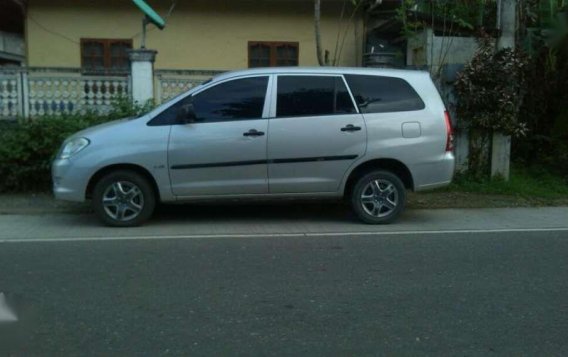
200, 34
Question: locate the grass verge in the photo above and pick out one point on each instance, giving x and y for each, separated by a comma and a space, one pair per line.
526, 188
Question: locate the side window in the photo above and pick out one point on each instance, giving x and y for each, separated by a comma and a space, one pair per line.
312, 96
375, 94
169, 116
234, 100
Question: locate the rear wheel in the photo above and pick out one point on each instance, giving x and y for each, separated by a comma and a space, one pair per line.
123, 199
379, 197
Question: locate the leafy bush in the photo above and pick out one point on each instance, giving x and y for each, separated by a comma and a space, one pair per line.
558, 157
546, 101
122, 107
28, 146
490, 90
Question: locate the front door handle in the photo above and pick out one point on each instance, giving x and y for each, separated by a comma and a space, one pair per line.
253, 132
351, 127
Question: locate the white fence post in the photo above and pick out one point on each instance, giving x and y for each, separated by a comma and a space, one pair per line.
501, 144
158, 83
25, 93
142, 72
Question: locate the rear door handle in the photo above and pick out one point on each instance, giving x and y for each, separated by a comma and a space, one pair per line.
351, 127
253, 132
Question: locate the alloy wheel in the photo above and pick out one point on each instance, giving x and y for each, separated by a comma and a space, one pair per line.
123, 201
379, 198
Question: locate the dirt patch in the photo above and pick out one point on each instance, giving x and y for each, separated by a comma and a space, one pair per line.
38, 203
476, 200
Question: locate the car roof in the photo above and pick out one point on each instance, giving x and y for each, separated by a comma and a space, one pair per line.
401, 73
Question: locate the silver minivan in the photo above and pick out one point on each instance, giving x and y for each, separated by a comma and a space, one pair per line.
364, 134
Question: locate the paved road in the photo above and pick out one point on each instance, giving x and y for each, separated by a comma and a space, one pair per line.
419, 294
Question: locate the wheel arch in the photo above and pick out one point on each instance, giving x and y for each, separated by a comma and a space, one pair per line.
115, 167
392, 165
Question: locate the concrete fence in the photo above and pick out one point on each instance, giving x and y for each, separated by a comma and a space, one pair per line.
37, 92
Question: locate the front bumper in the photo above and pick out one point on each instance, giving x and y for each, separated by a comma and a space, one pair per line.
69, 183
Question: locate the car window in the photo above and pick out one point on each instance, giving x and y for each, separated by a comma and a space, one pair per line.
312, 96
234, 100
376, 94
169, 116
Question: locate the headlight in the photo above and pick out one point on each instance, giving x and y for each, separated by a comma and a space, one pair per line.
72, 147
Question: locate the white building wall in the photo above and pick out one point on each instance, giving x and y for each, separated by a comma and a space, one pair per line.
430, 51
426, 49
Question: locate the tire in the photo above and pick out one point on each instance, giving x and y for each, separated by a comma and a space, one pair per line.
130, 199
378, 197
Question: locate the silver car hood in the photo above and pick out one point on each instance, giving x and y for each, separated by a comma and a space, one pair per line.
100, 128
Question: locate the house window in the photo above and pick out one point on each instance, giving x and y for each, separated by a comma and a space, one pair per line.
105, 56
273, 54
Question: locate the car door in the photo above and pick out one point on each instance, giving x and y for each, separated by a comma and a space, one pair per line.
315, 134
223, 151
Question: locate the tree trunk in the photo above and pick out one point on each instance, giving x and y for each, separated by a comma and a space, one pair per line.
479, 157
317, 20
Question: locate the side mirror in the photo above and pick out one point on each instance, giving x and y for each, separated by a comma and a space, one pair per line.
186, 113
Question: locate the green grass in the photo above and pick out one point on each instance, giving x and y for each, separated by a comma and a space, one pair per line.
526, 183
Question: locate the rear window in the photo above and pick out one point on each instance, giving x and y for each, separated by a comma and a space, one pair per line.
375, 94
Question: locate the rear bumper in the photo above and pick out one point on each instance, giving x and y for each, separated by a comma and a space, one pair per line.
434, 174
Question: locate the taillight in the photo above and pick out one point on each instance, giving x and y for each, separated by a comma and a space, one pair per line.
449, 132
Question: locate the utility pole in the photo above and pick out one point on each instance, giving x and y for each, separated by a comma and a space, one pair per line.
501, 144
317, 21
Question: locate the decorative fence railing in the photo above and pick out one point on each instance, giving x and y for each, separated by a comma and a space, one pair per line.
10, 95
36, 92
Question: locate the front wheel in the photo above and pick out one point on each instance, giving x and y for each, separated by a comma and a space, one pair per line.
378, 197
123, 199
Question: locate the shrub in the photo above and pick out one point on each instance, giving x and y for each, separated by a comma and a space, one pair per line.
28, 146
545, 110
490, 92
122, 107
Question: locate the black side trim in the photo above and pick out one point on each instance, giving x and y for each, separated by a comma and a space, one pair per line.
219, 164
261, 162
312, 159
